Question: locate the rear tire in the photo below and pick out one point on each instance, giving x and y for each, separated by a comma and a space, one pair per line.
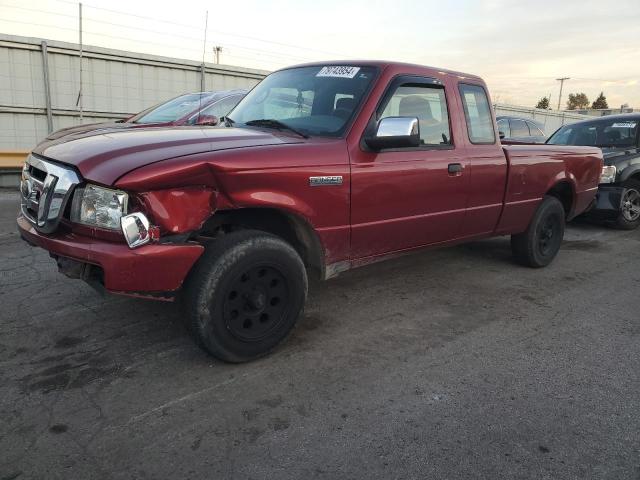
629, 216
244, 295
540, 243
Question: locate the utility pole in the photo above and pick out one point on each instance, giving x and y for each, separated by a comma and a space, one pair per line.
80, 102
217, 50
561, 80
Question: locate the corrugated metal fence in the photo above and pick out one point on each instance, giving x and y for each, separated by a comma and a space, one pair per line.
39, 85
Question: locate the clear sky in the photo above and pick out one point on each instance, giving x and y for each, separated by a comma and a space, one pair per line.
519, 47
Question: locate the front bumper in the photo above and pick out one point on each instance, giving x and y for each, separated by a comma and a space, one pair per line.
608, 200
148, 270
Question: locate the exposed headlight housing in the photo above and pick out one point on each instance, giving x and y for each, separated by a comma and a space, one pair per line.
608, 174
99, 207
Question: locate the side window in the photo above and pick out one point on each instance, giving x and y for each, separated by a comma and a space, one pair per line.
222, 107
519, 128
428, 104
503, 126
477, 114
534, 129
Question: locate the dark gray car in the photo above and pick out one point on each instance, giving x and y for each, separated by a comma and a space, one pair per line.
525, 130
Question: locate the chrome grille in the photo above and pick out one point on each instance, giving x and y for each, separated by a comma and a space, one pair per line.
45, 189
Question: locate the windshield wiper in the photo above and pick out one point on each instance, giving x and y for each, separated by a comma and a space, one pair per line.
228, 122
277, 124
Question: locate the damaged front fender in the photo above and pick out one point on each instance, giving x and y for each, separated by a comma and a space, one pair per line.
179, 210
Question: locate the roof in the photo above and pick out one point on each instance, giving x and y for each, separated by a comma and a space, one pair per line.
221, 93
515, 117
620, 116
383, 64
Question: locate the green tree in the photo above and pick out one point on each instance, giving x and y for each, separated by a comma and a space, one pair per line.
577, 101
600, 102
543, 103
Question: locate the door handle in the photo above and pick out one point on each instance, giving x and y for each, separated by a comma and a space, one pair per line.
455, 169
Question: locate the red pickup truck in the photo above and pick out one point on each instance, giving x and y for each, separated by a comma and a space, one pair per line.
321, 168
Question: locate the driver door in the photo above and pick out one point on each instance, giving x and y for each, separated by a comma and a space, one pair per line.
405, 198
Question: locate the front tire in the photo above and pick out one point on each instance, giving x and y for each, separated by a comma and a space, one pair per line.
244, 296
629, 216
540, 243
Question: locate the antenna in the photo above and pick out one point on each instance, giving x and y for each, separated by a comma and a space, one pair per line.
80, 102
202, 66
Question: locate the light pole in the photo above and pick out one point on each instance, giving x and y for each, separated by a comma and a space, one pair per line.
561, 80
217, 50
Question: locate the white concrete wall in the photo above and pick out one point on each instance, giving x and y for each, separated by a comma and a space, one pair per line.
115, 84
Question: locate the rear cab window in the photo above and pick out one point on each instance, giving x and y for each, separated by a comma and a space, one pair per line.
477, 113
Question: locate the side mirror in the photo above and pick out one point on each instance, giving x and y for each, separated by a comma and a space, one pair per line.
395, 132
501, 135
207, 120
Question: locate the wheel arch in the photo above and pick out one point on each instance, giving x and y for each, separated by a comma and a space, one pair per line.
564, 190
631, 172
292, 228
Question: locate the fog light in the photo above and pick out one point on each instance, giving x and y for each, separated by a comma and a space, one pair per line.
136, 229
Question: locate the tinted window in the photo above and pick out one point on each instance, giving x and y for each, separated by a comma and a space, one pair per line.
317, 100
535, 130
477, 114
428, 104
603, 133
173, 109
519, 128
503, 126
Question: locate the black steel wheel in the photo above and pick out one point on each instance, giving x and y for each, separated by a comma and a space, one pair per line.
256, 303
244, 295
548, 235
539, 244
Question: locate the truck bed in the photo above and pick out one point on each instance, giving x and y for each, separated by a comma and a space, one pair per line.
533, 169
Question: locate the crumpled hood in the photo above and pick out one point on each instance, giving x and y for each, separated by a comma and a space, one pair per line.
103, 157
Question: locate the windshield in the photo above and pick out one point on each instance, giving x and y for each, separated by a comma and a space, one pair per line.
173, 109
600, 133
313, 100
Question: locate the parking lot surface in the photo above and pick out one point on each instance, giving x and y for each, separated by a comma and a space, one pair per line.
447, 364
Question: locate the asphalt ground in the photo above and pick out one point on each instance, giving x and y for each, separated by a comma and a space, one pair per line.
447, 364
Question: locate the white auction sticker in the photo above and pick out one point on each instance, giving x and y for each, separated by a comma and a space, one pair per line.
624, 125
338, 71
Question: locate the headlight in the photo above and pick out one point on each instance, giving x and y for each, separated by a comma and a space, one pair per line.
99, 206
608, 174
